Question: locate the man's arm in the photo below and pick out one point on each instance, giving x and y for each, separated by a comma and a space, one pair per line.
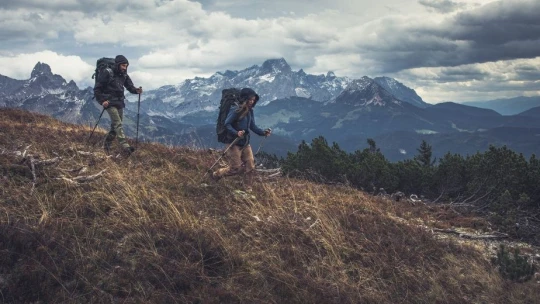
130, 87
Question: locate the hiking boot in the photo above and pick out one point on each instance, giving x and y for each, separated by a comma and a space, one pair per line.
107, 147
127, 151
214, 177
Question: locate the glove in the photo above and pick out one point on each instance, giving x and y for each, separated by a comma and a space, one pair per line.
267, 132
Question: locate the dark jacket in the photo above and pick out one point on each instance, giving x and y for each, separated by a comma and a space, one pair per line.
110, 86
233, 125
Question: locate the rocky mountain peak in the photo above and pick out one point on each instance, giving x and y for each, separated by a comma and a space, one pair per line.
72, 86
275, 66
359, 84
366, 92
41, 69
401, 91
229, 73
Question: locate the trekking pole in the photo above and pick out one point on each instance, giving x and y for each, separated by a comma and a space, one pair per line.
222, 154
88, 140
262, 143
138, 110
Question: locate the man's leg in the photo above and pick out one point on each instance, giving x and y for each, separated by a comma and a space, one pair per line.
116, 126
120, 130
113, 113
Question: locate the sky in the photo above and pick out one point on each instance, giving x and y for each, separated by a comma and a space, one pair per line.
468, 50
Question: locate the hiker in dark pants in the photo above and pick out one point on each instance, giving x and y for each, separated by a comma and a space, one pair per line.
238, 123
109, 92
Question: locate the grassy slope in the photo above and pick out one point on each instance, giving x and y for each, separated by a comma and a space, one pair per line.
149, 231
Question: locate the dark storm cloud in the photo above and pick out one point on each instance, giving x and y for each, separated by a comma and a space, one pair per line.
441, 6
505, 86
86, 6
54, 5
497, 31
462, 74
498, 23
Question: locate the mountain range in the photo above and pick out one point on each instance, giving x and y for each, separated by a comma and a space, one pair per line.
508, 106
297, 106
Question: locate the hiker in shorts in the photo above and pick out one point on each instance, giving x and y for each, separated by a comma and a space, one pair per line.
109, 92
240, 120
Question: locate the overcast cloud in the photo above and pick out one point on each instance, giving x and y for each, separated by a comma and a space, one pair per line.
445, 50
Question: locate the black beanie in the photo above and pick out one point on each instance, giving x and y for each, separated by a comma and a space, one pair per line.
121, 59
247, 93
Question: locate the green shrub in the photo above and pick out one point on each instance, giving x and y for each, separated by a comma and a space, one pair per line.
514, 267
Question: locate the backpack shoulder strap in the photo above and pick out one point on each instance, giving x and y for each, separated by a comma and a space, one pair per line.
106, 75
110, 71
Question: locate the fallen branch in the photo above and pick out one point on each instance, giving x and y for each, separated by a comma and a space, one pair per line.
88, 153
268, 170
83, 179
32, 161
315, 223
47, 162
472, 236
452, 204
67, 180
77, 170
274, 175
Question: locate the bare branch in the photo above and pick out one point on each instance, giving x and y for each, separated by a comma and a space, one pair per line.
268, 170
47, 162
496, 235
82, 179
77, 170
438, 198
88, 153
33, 173
274, 175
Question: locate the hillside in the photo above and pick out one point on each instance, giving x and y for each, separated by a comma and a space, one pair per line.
79, 227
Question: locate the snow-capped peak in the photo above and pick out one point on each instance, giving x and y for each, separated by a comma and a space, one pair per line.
359, 84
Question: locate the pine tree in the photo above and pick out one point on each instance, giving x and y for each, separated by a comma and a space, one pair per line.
450, 178
372, 146
425, 161
424, 155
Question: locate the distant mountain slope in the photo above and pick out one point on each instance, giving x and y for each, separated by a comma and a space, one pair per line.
533, 112
509, 106
403, 145
463, 109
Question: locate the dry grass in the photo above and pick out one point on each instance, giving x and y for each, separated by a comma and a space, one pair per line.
151, 231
